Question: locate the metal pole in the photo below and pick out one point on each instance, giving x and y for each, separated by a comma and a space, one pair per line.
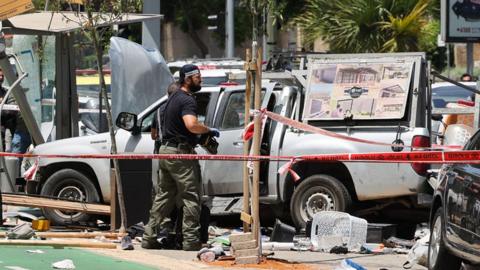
229, 30
470, 58
19, 95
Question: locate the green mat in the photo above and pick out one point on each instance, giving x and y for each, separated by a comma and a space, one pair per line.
82, 259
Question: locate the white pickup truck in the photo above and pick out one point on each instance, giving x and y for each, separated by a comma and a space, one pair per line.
376, 97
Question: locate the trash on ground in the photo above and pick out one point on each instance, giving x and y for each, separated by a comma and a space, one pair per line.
15, 268
64, 264
368, 248
348, 264
339, 250
38, 251
398, 242
210, 254
22, 231
418, 254
302, 242
282, 232
217, 231
277, 246
332, 228
126, 243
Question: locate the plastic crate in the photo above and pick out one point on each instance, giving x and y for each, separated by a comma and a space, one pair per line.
331, 228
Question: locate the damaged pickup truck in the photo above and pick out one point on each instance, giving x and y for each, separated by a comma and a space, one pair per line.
376, 97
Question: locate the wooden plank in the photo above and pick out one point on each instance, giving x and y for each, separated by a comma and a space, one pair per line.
244, 245
113, 200
246, 145
58, 243
11, 8
256, 149
247, 260
246, 252
241, 237
25, 200
73, 234
246, 218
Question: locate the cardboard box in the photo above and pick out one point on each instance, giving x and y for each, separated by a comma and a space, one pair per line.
10, 8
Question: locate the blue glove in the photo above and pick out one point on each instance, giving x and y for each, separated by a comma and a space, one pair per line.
214, 132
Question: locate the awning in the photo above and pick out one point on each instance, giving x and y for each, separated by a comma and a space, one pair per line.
48, 23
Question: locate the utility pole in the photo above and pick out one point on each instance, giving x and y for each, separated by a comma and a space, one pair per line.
470, 58
229, 30
151, 29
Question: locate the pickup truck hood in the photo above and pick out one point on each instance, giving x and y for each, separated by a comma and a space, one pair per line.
94, 143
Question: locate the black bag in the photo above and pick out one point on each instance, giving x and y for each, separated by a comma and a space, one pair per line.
208, 143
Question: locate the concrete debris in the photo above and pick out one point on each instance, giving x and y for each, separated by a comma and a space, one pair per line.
64, 264
37, 251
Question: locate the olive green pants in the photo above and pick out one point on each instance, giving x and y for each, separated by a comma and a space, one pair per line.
180, 181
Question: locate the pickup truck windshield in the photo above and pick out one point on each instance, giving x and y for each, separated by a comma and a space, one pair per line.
366, 91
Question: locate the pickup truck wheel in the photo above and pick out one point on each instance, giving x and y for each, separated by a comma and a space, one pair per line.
68, 184
318, 193
438, 255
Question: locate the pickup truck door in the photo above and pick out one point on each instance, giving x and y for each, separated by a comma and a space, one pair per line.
226, 177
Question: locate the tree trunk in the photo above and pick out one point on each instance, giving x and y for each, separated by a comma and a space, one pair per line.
103, 89
191, 30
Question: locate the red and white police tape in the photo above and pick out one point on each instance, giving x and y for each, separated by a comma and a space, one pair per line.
430, 157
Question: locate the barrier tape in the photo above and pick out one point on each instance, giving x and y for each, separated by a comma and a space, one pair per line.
464, 156
309, 128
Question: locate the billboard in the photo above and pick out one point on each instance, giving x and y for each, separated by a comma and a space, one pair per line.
460, 20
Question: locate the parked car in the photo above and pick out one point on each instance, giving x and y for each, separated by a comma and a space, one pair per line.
448, 95
444, 93
400, 117
455, 214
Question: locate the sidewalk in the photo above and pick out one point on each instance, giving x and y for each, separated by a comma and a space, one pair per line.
186, 260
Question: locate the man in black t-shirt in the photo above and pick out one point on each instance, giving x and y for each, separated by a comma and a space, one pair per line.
180, 180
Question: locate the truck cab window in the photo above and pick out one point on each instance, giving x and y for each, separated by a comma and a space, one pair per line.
233, 116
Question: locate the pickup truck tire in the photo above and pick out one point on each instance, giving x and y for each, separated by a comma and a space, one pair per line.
318, 193
68, 184
439, 257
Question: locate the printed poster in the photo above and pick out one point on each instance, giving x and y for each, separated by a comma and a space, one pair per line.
357, 91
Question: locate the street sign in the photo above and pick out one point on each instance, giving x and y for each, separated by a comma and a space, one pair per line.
11, 8
460, 21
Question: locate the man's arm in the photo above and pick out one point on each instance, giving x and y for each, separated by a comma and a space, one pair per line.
192, 124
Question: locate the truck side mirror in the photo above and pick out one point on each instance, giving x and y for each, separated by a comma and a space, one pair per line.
127, 121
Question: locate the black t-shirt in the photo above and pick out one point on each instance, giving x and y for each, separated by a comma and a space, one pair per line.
178, 105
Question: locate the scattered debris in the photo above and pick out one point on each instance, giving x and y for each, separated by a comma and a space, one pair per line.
418, 254
210, 254
126, 243
339, 250
37, 251
22, 231
332, 228
348, 264
64, 264
282, 232
277, 246
15, 268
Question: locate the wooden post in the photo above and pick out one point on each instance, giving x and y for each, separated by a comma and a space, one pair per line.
246, 145
256, 149
113, 201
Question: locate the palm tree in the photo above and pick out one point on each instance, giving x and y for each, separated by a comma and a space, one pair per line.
366, 25
405, 32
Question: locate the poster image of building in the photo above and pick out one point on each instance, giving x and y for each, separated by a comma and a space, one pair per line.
362, 91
